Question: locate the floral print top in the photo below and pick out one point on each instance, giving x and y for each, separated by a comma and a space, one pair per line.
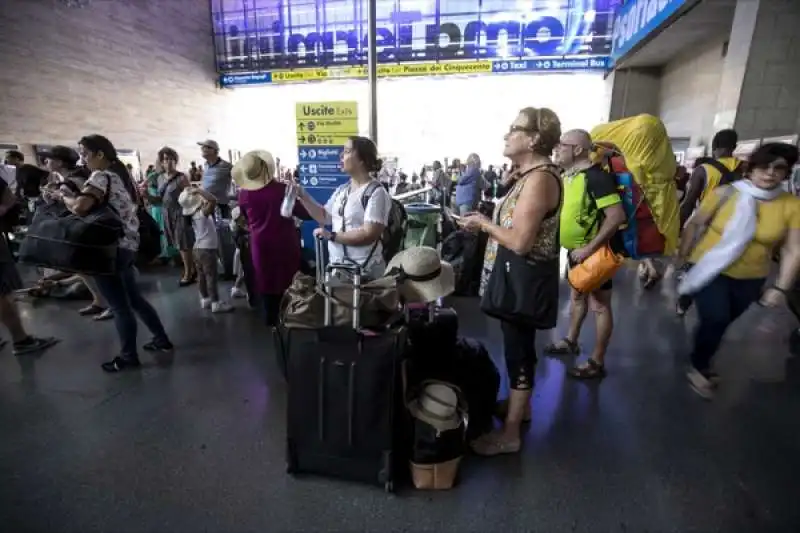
120, 200
546, 246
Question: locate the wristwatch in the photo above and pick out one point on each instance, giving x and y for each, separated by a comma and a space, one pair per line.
332, 237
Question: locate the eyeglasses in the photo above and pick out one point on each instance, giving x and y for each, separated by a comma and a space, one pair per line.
522, 129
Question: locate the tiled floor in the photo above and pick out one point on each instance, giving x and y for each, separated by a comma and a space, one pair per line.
194, 443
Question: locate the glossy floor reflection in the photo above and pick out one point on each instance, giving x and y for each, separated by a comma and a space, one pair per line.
195, 442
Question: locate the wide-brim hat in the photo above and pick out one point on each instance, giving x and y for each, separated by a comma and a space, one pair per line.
422, 277
254, 170
437, 405
190, 202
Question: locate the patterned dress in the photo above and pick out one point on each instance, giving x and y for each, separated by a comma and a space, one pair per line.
546, 246
176, 227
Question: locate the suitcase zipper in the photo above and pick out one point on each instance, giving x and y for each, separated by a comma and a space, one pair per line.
321, 400
351, 402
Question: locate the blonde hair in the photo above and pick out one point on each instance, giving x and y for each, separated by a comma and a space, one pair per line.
546, 129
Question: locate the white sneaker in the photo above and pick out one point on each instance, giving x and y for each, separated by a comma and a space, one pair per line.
236, 292
700, 384
221, 307
205, 303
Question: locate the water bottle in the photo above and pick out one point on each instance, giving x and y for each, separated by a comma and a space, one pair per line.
289, 198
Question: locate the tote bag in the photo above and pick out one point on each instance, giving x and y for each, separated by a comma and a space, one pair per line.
522, 291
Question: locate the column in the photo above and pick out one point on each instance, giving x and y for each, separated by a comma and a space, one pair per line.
760, 89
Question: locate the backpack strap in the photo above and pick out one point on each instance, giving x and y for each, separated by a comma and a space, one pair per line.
727, 175
365, 197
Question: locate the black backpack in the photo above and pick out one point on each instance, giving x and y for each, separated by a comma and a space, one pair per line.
395, 230
728, 176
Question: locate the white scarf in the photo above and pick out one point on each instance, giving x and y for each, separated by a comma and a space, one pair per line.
738, 233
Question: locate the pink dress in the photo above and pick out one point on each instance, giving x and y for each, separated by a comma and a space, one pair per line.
274, 240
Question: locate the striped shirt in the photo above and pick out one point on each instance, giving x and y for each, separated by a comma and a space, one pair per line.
217, 180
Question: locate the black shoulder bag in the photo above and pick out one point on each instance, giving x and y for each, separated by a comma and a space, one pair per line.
520, 290
58, 238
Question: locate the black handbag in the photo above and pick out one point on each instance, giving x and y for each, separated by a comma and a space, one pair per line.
522, 291
60, 239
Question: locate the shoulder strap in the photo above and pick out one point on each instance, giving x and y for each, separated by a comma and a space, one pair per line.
370, 190
725, 173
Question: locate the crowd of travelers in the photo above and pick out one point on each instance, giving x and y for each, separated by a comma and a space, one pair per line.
554, 195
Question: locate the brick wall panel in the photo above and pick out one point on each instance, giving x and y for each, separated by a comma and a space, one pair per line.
139, 71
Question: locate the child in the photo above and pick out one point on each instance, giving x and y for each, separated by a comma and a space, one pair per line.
198, 206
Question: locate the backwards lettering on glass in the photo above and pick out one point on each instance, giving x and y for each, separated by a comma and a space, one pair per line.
286, 34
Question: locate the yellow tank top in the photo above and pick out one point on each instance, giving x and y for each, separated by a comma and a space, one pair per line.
714, 176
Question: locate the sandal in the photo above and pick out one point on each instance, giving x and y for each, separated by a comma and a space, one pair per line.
563, 347
590, 370
91, 310
107, 314
493, 444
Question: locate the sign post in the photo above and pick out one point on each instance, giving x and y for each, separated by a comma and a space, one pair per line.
322, 130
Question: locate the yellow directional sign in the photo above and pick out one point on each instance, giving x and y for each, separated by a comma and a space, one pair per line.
326, 110
384, 71
347, 126
323, 139
291, 76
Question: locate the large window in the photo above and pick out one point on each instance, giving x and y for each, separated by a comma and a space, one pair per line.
258, 35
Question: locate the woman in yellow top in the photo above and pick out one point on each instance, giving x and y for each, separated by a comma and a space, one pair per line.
739, 228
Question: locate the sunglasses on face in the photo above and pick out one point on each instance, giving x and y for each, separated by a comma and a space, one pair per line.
521, 129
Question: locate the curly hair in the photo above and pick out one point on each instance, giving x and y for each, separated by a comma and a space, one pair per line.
545, 127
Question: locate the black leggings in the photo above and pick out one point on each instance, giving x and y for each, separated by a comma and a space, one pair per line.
520, 354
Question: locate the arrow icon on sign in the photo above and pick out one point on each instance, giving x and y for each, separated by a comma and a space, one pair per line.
302, 139
301, 126
303, 169
304, 181
303, 154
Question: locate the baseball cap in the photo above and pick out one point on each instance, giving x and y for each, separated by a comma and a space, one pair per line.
62, 153
209, 143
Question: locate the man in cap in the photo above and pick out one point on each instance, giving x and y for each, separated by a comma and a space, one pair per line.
216, 176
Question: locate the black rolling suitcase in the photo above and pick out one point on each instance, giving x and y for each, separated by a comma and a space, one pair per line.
344, 394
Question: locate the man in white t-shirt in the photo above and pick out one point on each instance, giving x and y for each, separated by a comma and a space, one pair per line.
349, 208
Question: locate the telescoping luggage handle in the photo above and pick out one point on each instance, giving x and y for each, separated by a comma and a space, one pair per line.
324, 276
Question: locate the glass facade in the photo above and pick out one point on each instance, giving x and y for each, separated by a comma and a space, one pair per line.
262, 35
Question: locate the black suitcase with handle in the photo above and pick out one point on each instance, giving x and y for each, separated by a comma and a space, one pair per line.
344, 394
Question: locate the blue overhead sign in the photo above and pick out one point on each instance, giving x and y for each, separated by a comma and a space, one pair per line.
264, 35
636, 19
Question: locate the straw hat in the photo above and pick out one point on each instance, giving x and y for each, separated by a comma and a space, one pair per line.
437, 405
190, 202
254, 170
423, 276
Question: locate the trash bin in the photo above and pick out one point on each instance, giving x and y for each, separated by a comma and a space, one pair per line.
424, 225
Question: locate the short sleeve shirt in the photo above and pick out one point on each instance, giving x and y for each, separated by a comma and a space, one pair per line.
120, 200
775, 219
586, 194
354, 216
